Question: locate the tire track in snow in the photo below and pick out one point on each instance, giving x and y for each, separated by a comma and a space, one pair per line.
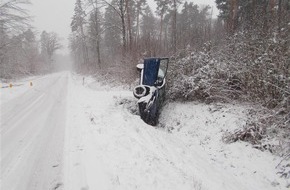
16, 108
32, 142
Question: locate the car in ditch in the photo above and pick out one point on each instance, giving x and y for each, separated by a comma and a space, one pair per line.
151, 90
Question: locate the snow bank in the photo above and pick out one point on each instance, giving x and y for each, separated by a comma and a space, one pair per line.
108, 147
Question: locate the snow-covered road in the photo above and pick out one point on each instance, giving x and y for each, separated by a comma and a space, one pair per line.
61, 134
32, 135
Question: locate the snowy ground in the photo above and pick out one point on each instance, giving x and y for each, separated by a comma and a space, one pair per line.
61, 134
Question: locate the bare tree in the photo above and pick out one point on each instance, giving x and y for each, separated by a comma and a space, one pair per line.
95, 32
112, 30
149, 33
14, 20
120, 8
13, 17
140, 6
129, 8
174, 27
122, 15
162, 8
50, 42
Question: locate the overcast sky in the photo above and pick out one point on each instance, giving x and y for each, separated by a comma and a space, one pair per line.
55, 15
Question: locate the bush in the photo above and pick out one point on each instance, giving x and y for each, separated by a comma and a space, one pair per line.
245, 68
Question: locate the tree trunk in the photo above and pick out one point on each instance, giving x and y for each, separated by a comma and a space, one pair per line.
271, 8
98, 36
129, 25
233, 16
266, 17
174, 26
122, 14
85, 48
137, 28
279, 15
161, 30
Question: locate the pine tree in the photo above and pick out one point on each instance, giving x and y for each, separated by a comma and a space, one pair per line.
95, 23
112, 30
162, 9
77, 26
140, 7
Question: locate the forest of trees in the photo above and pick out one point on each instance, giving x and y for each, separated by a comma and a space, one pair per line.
116, 34
242, 55
247, 37
21, 52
